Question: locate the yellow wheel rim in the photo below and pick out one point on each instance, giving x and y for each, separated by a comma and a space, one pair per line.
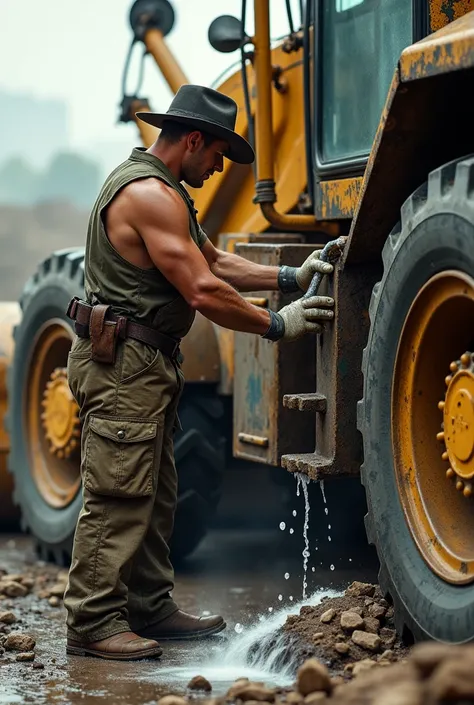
52, 417
439, 328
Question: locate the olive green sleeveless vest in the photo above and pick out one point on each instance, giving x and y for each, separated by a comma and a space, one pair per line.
143, 295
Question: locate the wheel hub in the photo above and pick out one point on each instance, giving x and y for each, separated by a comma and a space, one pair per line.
458, 423
60, 417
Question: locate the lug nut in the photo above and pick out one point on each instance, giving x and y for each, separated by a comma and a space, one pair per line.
445, 455
440, 436
453, 366
467, 491
459, 485
448, 379
441, 405
465, 359
449, 473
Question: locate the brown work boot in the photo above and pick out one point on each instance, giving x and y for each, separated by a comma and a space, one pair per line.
180, 625
125, 646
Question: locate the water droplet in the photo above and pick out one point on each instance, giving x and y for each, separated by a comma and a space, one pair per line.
329, 538
261, 618
313, 569
294, 512
329, 526
291, 598
206, 613
305, 553
326, 511
280, 597
287, 575
270, 609
350, 560
331, 567
282, 525
292, 531
239, 628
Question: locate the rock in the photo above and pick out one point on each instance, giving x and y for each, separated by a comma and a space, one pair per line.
236, 686
371, 642
292, 619
19, 642
317, 636
57, 590
294, 698
29, 583
388, 655
358, 609
328, 616
368, 601
365, 665
43, 594
200, 683
341, 647
428, 655
359, 589
388, 636
315, 698
351, 621
307, 610
452, 680
7, 617
389, 614
38, 665
54, 601
401, 694
376, 610
371, 624
13, 577
253, 691
312, 676
26, 656
13, 589
172, 700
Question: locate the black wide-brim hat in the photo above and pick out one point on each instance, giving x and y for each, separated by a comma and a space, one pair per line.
208, 110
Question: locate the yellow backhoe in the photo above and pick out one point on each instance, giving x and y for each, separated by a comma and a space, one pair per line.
363, 128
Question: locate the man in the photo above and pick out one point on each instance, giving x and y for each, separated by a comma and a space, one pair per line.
148, 268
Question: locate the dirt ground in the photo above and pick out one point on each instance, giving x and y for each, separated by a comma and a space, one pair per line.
347, 647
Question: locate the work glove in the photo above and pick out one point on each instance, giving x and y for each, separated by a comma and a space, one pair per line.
300, 317
291, 279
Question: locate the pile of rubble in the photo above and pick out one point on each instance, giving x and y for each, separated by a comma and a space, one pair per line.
433, 674
46, 583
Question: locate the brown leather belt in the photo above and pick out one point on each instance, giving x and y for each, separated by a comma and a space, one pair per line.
80, 312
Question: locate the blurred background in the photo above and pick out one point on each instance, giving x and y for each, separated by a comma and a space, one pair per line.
61, 66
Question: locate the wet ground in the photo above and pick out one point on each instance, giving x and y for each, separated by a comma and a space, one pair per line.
240, 573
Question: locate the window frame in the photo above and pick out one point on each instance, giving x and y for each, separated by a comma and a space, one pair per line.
349, 166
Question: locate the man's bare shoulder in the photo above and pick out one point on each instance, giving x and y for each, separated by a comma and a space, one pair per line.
151, 202
153, 193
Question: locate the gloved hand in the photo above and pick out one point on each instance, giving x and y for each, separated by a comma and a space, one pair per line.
310, 266
300, 317
291, 279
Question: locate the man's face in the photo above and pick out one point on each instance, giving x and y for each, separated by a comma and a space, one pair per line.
200, 162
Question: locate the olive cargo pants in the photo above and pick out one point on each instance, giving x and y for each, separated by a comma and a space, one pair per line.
121, 576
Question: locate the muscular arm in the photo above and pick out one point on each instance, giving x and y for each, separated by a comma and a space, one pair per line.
239, 272
160, 217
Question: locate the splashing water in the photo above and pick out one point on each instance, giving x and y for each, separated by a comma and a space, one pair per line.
321, 484
282, 525
294, 512
260, 652
287, 576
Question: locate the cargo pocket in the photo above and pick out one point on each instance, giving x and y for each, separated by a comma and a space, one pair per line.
119, 456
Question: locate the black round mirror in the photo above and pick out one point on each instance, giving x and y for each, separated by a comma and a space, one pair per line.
225, 34
151, 14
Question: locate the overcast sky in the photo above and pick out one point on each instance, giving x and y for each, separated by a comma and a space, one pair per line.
75, 50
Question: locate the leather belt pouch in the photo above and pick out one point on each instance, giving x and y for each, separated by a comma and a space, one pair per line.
103, 335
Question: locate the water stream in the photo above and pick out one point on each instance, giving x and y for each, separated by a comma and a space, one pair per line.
259, 652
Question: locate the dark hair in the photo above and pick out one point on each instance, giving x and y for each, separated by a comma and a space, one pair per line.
172, 131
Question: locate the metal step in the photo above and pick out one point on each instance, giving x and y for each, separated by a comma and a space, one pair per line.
305, 402
311, 464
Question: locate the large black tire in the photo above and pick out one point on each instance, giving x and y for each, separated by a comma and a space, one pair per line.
199, 449
436, 234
